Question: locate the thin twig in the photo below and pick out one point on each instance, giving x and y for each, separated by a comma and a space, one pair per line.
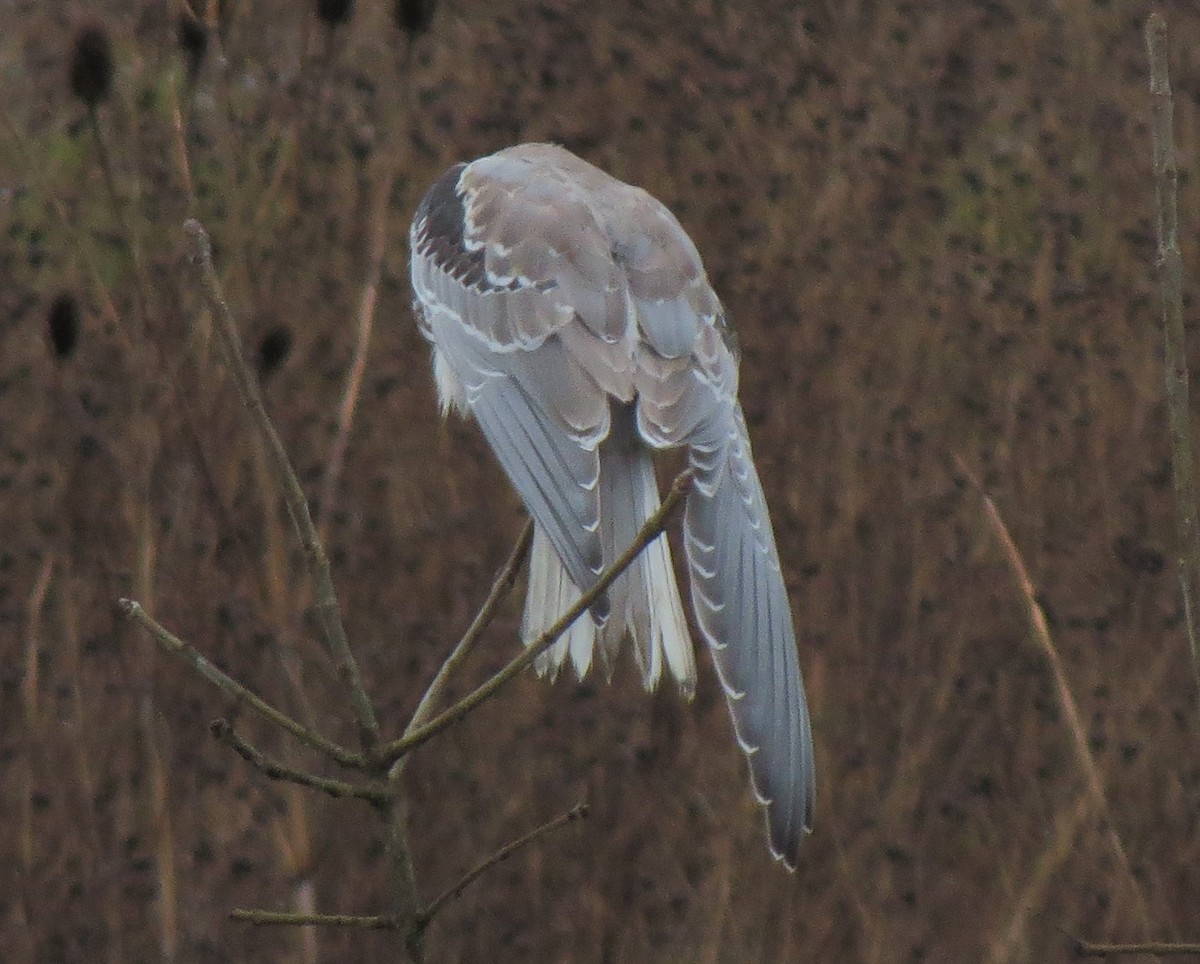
501, 587
235, 690
650, 531
328, 607
223, 731
1155, 948
577, 812
1066, 699
1170, 266
277, 918
366, 321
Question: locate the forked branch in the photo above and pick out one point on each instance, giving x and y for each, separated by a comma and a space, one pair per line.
328, 607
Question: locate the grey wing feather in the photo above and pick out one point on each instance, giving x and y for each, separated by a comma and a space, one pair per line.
492, 305
553, 467
555, 477
742, 608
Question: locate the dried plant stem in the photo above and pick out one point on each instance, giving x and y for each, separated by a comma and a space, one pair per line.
223, 731
649, 532
1066, 699
327, 603
501, 587
235, 690
1012, 944
366, 321
1170, 266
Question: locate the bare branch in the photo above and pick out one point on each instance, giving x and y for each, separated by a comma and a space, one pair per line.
275, 918
327, 603
223, 731
577, 812
1156, 948
501, 587
650, 531
235, 690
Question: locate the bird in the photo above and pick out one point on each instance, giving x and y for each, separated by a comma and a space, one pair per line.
570, 315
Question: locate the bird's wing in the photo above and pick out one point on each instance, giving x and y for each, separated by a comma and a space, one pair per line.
742, 608
522, 302
685, 374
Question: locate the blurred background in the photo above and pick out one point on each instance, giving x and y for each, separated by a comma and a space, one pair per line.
932, 223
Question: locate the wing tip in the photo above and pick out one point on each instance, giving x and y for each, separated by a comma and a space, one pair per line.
784, 843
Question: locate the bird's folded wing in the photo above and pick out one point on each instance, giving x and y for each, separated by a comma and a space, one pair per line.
496, 288
742, 608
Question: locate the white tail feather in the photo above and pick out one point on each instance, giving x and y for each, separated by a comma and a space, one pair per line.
645, 601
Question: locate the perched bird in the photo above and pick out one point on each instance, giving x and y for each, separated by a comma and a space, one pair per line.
570, 314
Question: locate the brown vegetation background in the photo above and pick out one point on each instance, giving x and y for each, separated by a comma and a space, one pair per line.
932, 224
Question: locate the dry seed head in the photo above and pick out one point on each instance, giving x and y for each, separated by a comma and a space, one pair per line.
414, 16
91, 66
334, 12
62, 326
193, 41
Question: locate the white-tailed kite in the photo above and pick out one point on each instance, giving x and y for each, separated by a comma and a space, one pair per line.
570, 314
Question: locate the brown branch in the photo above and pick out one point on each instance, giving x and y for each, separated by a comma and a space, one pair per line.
275, 918
328, 607
653, 528
577, 812
1154, 948
501, 587
235, 690
224, 732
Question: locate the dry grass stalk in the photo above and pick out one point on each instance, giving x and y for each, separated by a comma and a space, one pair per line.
358, 366
1040, 632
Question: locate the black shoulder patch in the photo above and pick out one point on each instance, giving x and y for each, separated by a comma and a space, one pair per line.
441, 220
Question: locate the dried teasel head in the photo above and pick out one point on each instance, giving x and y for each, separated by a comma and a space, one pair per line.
273, 350
414, 16
193, 41
62, 326
91, 69
334, 13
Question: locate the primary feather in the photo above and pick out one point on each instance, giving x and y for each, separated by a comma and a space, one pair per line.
570, 314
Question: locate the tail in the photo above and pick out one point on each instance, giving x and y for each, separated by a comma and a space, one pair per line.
645, 601
741, 607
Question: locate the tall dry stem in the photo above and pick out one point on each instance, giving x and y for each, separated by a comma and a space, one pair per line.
1170, 267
